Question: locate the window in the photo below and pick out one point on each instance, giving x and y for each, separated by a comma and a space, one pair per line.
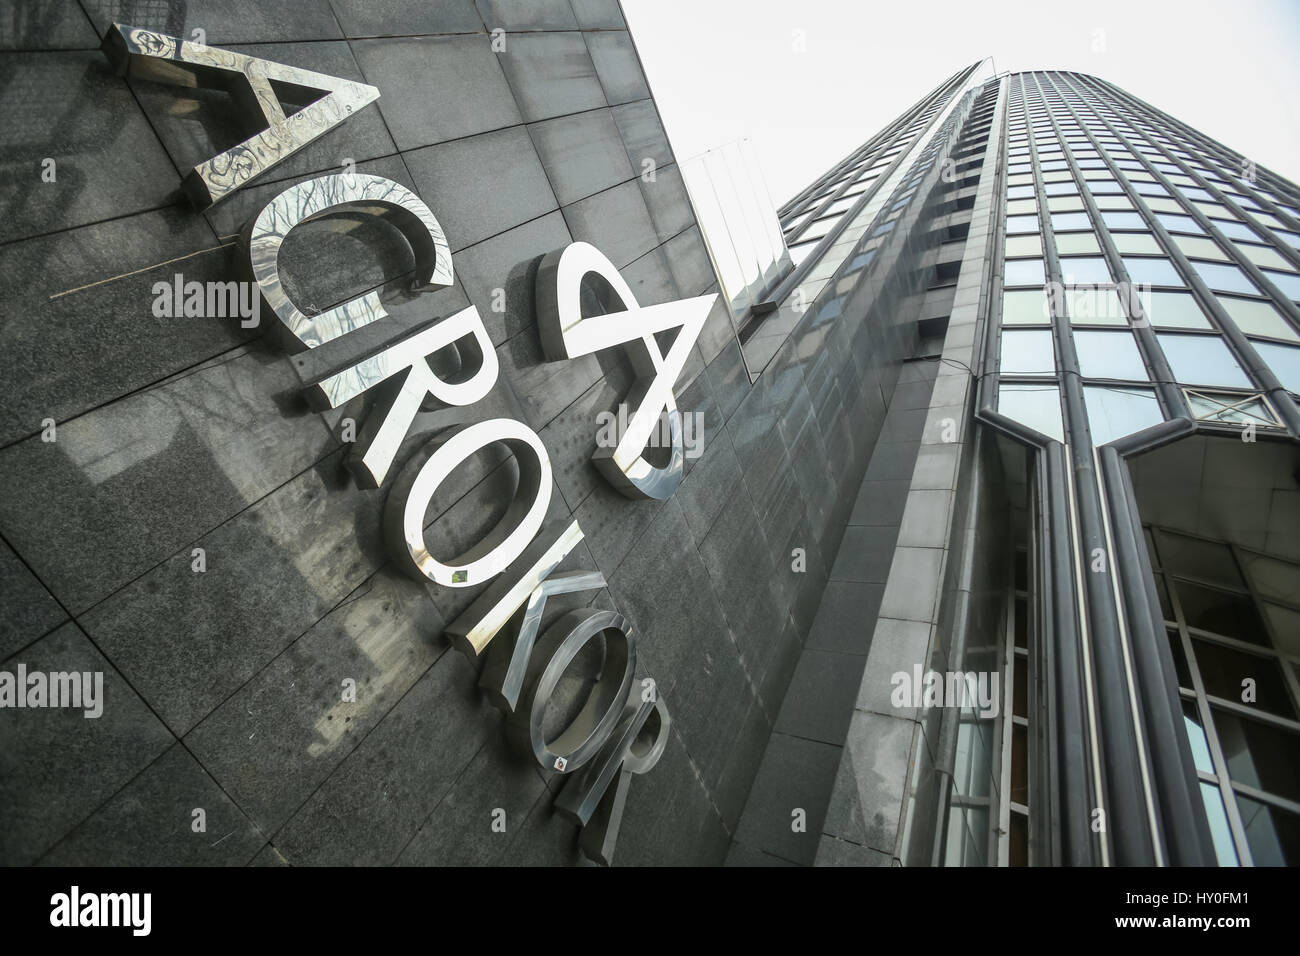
1025, 307
840, 205
1136, 243
1109, 354
1200, 248
1213, 210
1038, 406
1085, 271
1224, 278
1100, 187
799, 252
1116, 412
1123, 220
1235, 230
1179, 223
1067, 221
1233, 408
1269, 220
1017, 224
1023, 272
1264, 257
819, 228
1245, 753
1202, 360
1024, 246
1086, 305
1287, 282
1064, 203
1173, 310
1284, 360
1160, 204
1256, 317
1077, 243
1152, 271
1027, 353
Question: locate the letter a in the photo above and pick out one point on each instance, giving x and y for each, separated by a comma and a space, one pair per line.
149, 55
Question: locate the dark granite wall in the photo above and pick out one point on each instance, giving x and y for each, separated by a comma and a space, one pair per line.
223, 687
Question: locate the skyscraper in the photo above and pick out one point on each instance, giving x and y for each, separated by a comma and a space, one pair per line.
1085, 486
408, 458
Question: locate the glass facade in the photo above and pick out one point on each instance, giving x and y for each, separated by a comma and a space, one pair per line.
1125, 220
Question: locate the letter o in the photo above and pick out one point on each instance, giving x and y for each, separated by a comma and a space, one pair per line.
603, 709
415, 486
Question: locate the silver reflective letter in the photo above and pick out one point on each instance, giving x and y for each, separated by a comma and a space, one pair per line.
134, 51
331, 195
601, 713
633, 748
372, 454
566, 334
482, 620
409, 500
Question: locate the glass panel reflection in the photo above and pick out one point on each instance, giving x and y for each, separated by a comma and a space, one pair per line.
1038, 406
1198, 558
1116, 412
1224, 849
1025, 307
739, 223
1237, 676
1260, 755
1273, 834
1094, 306
1284, 360
1221, 612
1202, 360
1256, 317
1173, 310
1224, 278
1023, 272
1085, 271
1109, 355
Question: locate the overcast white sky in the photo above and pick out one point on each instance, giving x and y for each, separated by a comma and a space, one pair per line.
726, 69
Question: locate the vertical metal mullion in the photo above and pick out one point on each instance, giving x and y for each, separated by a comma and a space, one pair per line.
1008, 711
1131, 814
